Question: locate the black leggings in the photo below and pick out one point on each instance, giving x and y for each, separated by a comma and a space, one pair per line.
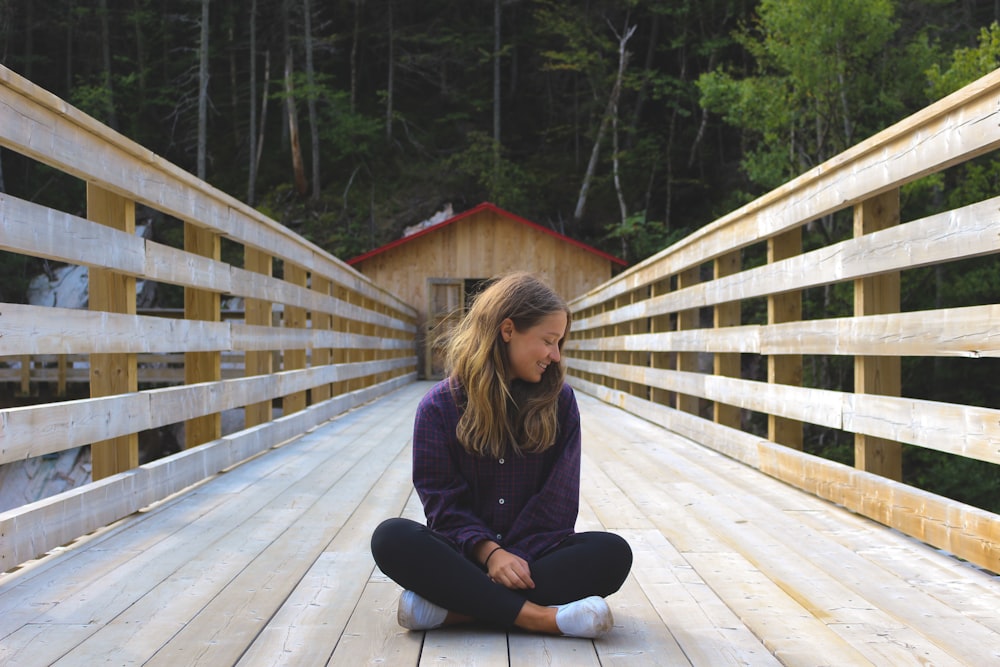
417, 559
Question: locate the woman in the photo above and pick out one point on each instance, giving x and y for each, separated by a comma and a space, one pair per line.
496, 463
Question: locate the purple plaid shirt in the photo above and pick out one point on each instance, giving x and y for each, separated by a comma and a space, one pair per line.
526, 503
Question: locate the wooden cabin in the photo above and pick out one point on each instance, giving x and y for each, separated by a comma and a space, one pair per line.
437, 270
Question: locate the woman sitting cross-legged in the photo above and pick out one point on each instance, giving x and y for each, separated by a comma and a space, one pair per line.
496, 463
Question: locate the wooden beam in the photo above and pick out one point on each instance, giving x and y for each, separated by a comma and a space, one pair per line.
877, 295
295, 358
257, 312
321, 321
727, 364
202, 305
112, 374
784, 369
688, 320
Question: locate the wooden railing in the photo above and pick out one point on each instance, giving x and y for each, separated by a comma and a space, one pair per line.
669, 339
341, 340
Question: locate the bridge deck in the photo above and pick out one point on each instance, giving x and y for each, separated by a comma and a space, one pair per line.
268, 564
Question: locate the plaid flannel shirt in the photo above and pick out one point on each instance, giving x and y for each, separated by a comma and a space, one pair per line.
527, 503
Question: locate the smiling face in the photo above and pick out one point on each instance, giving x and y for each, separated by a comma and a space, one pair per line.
530, 352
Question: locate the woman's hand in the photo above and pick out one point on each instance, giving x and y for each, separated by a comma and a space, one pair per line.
510, 570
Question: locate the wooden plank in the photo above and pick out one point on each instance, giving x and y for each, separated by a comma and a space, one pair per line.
202, 366
795, 588
727, 364
294, 358
372, 635
309, 624
111, 374
875, 295
31, 229
322, 356
245, 574
811, 568
784, 369
182, 267
49, 330
467, 645
258, 313
966, 332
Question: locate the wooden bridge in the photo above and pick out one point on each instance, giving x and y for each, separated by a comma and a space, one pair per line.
252, 547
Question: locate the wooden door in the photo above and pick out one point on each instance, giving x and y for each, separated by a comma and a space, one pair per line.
445, 305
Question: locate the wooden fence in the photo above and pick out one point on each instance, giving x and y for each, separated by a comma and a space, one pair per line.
672, 340
341, 340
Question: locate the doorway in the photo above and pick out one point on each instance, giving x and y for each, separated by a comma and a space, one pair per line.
447, 301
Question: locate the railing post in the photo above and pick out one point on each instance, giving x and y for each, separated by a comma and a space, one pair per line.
202, 305
321, 322
784, 368
727, 363
25, 374
112, 374
876, 295
340, 354
257, 312
661, 360
295, 318
686, 320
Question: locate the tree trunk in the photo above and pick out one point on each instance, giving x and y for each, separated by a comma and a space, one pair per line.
623, 57
263, 112
391, 76
311, 100
301, 186
496, 90
112, 118
611, 109
202, 90
252, 131
358, 5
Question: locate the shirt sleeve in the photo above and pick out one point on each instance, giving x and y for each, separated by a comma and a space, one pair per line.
446, 496
550, 515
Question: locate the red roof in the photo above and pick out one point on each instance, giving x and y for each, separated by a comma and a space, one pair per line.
485, 206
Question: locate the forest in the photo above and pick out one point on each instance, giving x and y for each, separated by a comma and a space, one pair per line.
626, 124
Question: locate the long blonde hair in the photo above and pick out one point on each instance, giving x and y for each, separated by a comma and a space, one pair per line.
502, 413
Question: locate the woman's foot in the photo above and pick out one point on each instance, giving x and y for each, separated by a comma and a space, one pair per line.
416, 613
588, 618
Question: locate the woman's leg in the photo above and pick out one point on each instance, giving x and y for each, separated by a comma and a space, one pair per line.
418, 560
584, 564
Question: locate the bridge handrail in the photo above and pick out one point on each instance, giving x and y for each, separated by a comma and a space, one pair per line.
643, 340
319, 338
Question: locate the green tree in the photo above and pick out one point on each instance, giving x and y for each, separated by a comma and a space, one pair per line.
825, 76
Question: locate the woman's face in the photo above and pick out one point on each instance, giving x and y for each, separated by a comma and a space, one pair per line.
530, 352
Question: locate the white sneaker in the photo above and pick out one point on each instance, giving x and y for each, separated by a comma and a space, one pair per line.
588, 618
416, 613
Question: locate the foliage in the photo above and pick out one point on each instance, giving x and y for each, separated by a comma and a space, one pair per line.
812, 93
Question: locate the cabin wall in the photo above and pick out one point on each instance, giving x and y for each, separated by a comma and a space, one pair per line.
482, 246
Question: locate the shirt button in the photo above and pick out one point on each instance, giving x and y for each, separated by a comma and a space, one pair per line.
501, 461
499, 537
501, 501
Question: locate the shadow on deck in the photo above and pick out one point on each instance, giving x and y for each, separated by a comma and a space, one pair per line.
268, 564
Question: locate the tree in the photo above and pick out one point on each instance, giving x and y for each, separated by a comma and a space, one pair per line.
203, 90
311, 98
298, 168
814, 92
